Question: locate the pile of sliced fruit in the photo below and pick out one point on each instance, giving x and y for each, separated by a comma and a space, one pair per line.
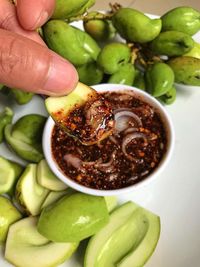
43, 220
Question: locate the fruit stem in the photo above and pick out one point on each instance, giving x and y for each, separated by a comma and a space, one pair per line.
86, 17
96, 15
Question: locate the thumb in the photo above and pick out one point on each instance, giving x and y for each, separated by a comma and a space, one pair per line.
32, 67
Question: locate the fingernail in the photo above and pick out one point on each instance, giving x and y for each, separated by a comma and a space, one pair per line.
42, 19
62, 76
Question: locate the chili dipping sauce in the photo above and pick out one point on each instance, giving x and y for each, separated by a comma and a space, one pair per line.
133, 151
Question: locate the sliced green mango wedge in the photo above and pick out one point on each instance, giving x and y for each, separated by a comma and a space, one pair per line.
52, 197
141, 253
111, 202
25, 247
8, 215
83, 114
73, 218
29, 193
9, 172
47, 178
128, 240
25, 151
96, 243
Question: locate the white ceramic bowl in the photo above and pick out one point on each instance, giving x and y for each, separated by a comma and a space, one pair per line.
170, 145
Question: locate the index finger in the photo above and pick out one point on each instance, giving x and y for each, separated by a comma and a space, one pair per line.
33, 14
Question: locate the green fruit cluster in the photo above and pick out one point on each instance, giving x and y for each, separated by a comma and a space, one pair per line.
151, 58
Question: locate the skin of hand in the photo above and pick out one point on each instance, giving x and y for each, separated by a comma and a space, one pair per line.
25, 61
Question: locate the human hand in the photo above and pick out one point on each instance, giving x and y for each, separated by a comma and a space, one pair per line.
25, 61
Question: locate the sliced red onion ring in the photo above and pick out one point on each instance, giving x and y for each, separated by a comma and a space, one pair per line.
73, 160
109, 166
113, 139
127, 139
122, 118
130, 130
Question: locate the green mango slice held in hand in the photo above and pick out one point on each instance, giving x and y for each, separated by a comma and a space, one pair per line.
64, 111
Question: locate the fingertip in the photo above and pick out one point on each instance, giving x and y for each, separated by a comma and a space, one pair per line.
33, 14
62, 77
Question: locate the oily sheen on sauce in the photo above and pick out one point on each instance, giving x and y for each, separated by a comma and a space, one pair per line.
129, 155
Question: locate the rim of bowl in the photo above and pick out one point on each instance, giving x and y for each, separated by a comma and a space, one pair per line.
46, 141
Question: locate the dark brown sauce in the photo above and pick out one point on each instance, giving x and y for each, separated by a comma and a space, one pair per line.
90, 122
129, 155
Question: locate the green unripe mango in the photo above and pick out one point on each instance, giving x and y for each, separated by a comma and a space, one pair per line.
100, 30
139, 81
73, 218
65, 9
85, 8
134, 26
169, 97
25, 137
172, 43
184, 19
71, 43
20, 96
113, 56
194, 52
186, 70
159, 79
125, 75
5, 118
90, 73
29, 128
